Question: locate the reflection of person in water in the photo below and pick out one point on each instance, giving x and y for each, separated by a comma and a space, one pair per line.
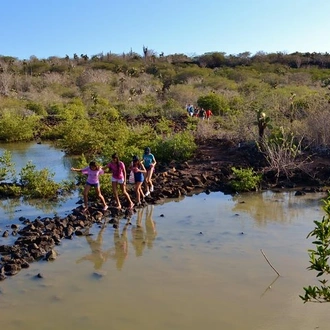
151, 232
141, 238
98, 257
120, 250
138, 241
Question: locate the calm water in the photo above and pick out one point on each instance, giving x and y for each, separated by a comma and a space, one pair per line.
189, 264
42, 155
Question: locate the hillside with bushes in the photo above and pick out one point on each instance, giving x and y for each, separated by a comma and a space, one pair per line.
96, 105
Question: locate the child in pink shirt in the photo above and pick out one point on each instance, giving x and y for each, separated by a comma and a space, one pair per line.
118, 170
93, 172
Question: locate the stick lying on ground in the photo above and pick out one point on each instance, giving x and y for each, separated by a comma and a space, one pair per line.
270, 263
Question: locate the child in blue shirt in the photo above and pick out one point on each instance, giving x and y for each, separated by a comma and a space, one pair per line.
149, 163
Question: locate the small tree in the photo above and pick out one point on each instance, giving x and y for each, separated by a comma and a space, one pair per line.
7, 167
245, 179
215, 102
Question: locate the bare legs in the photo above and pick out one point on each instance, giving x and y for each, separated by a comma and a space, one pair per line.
148, 181
139, 192
98, 194
125, 193
115, 193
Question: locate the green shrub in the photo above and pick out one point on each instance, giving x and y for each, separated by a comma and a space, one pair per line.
164, 126
102, 108
245, 179
319, 258
172, 109
17, 127
7, 167
39, 184
37, 108
217, 103
178, 147
80, 136
10, 190
185, 74
192, 123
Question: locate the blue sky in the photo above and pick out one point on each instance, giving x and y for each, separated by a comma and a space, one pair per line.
45, 28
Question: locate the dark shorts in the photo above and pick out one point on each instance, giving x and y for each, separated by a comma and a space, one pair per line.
138, 177
95, 185
150, 169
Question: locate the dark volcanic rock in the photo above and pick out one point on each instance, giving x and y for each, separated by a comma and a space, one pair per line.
210, 170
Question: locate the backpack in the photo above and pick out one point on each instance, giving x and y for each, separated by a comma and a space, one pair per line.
131, 178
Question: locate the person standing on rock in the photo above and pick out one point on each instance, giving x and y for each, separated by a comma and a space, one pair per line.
139, 171
149, 163
118, 170
93, 171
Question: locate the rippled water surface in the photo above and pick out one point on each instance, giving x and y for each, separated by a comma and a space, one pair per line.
189, 264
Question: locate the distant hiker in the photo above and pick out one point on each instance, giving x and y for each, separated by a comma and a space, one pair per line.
202, 113
208, 114
93, 171
149, 163
191, 110
118, 170
196, 112
139, 171
188, 109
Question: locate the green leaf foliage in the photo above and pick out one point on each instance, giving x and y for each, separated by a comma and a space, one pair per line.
319, 258
17, 126
38, 183
217, 103
245, 179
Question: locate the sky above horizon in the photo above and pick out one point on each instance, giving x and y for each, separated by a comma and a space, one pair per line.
45, 28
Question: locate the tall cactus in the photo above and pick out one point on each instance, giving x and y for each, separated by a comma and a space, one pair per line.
263, 122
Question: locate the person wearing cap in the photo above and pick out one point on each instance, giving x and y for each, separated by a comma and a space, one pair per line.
149, 162
139, 171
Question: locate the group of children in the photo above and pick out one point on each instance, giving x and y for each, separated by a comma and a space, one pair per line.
141, 169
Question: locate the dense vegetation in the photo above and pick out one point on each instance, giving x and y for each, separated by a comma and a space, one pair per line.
121, 103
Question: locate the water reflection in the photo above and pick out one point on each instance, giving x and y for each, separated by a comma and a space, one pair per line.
269, 287
144, 237
151, 232
180, 258
275, 206
11, 207
120, 250
43, 155
97, 256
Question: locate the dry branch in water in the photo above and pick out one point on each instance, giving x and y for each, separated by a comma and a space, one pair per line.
270, 263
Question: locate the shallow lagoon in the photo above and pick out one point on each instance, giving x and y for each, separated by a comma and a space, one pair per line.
188, 264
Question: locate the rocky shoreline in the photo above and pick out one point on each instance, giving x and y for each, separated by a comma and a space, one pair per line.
37, 239
209, 171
